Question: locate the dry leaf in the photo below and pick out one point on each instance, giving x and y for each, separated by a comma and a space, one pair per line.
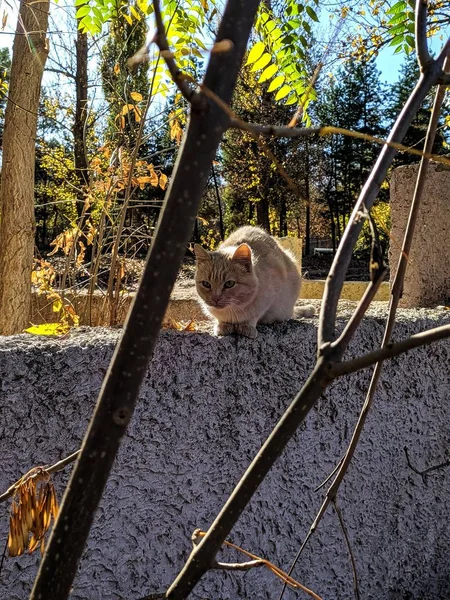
116, 68
163, 181
180, 325
137, 97
33, 507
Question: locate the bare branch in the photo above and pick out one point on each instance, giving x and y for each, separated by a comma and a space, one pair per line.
273, 130
391, 350
423, 56
360, 311
180, 79
245, 566
336, 277
349, 548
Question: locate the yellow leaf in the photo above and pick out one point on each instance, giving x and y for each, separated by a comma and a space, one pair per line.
57, 305
117, 68
48, 329
137, 97
176, 132
126, 108
255, 53
163, 181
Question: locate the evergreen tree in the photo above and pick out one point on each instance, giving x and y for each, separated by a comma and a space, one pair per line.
353, 100
415, 137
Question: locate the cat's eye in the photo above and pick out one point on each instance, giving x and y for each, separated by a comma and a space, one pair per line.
206, 284
229, 284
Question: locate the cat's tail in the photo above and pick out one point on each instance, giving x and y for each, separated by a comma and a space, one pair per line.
304, 311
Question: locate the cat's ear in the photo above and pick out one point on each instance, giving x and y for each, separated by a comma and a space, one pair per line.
243, 255
200, 253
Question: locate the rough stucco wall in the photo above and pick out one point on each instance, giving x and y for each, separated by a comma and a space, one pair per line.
427, 280
206, 406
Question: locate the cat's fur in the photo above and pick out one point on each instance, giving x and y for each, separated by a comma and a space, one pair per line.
249, 279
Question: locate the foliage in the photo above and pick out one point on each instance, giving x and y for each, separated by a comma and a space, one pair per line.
381, 216
374, 24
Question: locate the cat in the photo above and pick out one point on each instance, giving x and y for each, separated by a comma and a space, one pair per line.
249, 279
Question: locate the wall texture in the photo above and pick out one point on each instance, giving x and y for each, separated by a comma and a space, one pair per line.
206, 406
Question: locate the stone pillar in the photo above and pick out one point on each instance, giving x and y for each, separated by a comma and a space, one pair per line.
427, 281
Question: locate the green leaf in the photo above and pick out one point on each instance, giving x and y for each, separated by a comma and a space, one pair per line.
312, 14
80, 2
398, 39
262, 62
303, 41
397, 8
410, 41
283, 92
83, 11
255, 53
268, 73
279, 80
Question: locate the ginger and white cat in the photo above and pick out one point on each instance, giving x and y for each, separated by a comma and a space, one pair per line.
249, 279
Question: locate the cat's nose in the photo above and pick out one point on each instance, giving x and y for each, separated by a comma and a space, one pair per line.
215, 298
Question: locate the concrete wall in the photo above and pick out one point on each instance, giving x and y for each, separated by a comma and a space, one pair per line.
206, 406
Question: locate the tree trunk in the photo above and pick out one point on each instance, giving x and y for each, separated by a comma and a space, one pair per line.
17, 224
81, 114
262, 213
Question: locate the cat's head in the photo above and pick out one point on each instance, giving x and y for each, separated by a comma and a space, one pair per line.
225, 278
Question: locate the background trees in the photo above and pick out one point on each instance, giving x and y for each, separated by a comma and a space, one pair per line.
101, 167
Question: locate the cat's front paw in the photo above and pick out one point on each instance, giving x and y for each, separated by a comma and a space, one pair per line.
244, 329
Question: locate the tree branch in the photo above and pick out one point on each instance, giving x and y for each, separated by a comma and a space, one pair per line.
390, 351
441, 465
423, 56
273, 130
181, 81
336, 276
120, 389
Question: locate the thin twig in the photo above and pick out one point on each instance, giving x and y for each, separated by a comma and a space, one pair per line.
328, 477
49, 468
274, 130
390, 350
360, 311
442, 465
180, 80
349, 548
